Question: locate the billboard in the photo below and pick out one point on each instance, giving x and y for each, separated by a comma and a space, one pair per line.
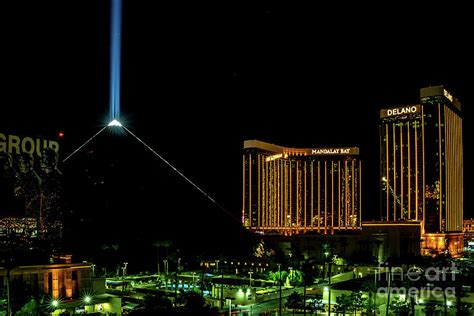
30, 189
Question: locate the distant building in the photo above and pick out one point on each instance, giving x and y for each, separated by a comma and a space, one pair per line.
468, 229
31, 199
67, 284
289, 191
421, 167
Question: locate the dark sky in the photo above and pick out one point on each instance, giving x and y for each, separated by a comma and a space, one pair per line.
197, 80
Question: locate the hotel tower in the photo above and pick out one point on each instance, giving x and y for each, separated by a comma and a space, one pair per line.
422, 166
289, 191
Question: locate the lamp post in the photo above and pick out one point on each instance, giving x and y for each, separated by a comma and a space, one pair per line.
124, 272
375, 290
176, 283
279, 283
165, 263
326, 253
193, 274
250, 278
329, 290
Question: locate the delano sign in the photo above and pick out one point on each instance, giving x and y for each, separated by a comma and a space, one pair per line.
14, 144
406, 110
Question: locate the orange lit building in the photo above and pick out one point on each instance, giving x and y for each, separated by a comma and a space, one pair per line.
422, 167
452, 243
468, 229
290, 191
63, 280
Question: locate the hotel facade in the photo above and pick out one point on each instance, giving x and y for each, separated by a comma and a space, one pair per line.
422, 167
289, 191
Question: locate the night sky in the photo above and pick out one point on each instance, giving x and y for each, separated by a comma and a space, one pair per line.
197, 80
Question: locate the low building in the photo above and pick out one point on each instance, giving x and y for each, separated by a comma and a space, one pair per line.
468, 230
70, 287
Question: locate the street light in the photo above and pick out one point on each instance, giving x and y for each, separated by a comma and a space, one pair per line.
326, 253
279, 283
250, 279
124, 272
176, 283
193, 274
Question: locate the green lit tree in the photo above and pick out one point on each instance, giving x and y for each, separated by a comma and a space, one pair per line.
158, 304
430, 309
357, 301
295, 277
33, 307
194, 304
399, 307
294, 301
308, 279
318, 304
275, 276
343, 304
369, 287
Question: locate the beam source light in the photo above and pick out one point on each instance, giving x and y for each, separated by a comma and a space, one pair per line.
115, 123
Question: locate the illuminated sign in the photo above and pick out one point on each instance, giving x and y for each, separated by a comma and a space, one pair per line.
334, 151
448, 95
273, 157
14, 144
400, 111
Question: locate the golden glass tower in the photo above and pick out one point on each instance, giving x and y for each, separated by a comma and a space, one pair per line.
422, 162
290, 191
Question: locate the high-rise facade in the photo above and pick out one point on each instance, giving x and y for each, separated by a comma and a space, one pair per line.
422, 162
290, 191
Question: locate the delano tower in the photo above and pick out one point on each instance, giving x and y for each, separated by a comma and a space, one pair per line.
422, 167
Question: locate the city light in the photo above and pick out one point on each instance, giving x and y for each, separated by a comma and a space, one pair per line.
54, 303
115, 123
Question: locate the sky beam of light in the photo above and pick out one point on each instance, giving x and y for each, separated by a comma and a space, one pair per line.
182, 175
85, 143
115, 47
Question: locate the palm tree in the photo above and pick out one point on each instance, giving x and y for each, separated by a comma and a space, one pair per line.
161, 244
293, 301
430, 309
369, 286
308, 278
343, 303
399, 307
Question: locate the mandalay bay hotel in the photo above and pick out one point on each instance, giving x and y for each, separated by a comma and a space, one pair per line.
288, 191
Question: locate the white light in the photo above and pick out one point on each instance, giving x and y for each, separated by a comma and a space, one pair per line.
115, 123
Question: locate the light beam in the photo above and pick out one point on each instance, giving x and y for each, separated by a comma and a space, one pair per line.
85, 143
181, 174
115, 46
